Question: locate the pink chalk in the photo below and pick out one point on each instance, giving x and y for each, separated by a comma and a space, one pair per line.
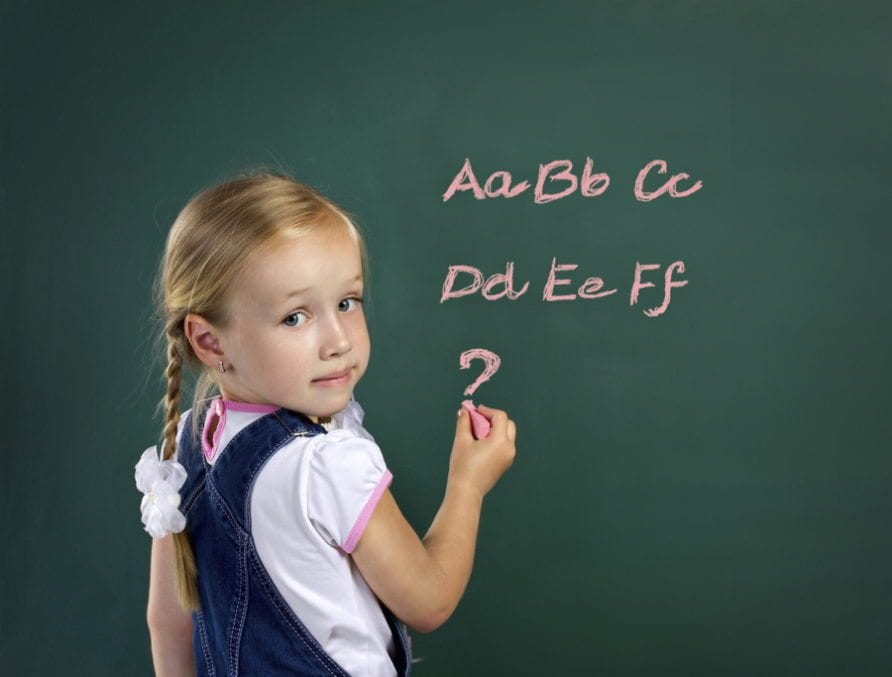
479, 423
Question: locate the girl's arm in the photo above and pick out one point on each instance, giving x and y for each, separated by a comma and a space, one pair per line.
421, 581
170, 626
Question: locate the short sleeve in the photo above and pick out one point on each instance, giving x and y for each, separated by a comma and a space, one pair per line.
347, 477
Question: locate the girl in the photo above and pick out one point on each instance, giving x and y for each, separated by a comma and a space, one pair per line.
278, 547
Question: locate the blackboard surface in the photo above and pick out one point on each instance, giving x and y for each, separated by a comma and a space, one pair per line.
702, 492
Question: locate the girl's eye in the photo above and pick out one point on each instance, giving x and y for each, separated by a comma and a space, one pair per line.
349, 304
295, 319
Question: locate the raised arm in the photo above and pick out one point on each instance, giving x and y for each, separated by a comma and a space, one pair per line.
170, 626
422, 581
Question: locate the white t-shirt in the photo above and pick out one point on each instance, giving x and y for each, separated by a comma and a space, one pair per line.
311, 502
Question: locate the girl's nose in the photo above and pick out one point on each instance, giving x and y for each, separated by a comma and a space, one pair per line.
336, 341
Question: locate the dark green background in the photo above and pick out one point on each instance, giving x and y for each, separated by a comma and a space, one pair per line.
702, 493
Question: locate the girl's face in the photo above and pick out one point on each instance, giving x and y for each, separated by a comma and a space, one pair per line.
296, 336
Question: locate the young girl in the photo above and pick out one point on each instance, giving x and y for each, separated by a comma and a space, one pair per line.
278, 547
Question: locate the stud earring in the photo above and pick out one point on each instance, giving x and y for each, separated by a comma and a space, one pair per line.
222, 368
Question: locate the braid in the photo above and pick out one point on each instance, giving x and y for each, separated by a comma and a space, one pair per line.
171, 403
186, 571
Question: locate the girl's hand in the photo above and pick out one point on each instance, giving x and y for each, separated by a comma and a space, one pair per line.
480, 463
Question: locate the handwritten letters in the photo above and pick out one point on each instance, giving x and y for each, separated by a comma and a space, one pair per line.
556, 180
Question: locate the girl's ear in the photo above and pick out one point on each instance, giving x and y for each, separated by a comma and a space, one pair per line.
203, 338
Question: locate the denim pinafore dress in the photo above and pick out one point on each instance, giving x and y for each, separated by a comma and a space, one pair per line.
245, 627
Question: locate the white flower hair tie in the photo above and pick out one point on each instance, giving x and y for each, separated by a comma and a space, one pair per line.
160, 481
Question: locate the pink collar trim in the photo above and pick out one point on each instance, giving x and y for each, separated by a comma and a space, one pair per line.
249, 407
216, 417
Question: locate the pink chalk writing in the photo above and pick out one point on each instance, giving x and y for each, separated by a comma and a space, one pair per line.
505, 189
668, 284
505, 279
644, 196
586, 291
555, 180
590, 289
491, 363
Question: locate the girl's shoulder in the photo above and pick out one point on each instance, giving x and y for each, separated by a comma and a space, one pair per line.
344, 425
346, 443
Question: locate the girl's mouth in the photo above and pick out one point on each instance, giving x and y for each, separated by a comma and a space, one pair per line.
337, 378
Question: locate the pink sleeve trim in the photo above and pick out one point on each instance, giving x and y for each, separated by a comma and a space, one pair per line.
366, 514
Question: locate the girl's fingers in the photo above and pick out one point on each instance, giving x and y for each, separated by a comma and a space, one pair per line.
489, 412
498, 418
463, 425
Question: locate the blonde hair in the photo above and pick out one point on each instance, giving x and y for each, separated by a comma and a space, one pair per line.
211, 238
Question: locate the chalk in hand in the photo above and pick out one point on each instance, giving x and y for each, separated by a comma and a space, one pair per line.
479, 423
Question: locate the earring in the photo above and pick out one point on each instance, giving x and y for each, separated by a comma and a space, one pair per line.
222, 368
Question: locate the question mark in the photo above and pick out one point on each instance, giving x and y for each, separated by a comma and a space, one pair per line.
480, 425
492, 366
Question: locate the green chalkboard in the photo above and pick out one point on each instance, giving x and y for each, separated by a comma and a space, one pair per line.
704, 491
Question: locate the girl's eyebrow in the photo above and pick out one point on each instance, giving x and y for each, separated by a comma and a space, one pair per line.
298, 292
